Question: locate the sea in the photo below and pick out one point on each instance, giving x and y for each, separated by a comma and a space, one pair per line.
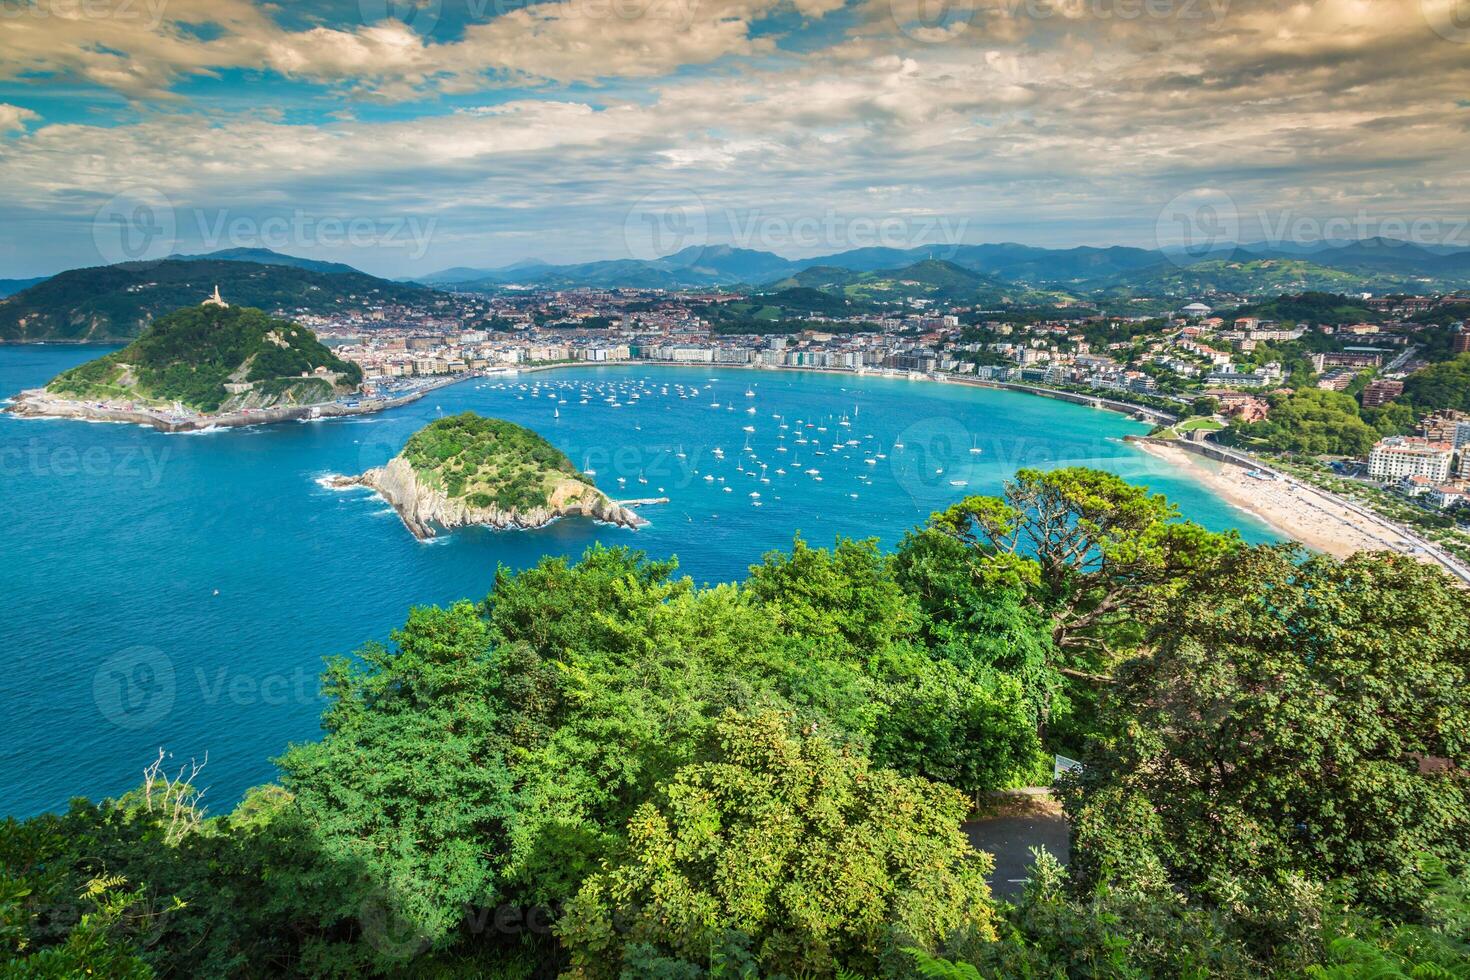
177, 594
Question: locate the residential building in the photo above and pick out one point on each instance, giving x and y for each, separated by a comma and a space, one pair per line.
1401, 456
1381, 392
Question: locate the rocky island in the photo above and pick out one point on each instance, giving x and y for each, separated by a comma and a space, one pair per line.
470, 470
208, 365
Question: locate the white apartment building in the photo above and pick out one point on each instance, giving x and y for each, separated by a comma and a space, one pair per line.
1401, 456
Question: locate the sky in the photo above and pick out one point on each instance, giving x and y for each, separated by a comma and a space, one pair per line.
405, 137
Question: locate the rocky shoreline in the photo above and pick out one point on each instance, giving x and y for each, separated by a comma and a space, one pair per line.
423, 508
38, 403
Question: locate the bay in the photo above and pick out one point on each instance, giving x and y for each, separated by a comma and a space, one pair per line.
179, 592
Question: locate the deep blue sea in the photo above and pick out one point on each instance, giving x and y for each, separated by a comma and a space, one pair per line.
180, 591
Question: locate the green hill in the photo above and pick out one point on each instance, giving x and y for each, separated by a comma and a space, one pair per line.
1255, 277
115, 302
214, 359
1308, 308
489, 462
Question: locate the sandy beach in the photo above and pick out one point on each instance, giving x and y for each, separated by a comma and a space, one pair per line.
1316, 519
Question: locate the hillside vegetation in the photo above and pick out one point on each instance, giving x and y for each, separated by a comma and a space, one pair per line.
489, 462
115, 302
602, 771
190, 355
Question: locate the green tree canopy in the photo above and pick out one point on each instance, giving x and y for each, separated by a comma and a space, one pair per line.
786, 850
1297, 716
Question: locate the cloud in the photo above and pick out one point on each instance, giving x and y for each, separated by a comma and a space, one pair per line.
1072, 122
14, 117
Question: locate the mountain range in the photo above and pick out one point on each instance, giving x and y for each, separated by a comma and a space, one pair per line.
115, 302
1371, 264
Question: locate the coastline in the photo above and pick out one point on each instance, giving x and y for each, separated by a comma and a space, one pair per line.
423, 509
1298, 511
37, 403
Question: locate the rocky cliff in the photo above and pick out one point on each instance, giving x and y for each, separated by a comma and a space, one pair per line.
424, 508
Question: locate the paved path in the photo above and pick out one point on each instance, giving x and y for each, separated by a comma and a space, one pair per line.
1010, 838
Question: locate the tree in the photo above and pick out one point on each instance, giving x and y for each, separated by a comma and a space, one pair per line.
1093, 554
787, 851
1314, 421
411, 782
1294, 717
1440, 386
1204, 405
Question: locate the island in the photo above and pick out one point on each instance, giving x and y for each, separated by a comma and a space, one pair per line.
209, 365
469, 470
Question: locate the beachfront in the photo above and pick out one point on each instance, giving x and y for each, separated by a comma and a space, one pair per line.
1317, 519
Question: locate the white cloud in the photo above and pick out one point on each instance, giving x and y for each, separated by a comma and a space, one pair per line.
1075, 125
14, 117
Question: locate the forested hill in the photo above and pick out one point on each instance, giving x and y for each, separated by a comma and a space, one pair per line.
602, 772
115, 302
489, 462
190, 355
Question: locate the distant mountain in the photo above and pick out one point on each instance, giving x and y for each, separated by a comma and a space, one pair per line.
466, 274
699, 267
9, 287
1237, 276
1372, 263
115, 302
264, 256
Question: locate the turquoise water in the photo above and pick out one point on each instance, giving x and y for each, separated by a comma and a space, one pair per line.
116, 538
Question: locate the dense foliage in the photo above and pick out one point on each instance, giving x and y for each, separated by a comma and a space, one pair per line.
1313, 308
189, 355
1439, 386
604, 771
489, 462
1315, 421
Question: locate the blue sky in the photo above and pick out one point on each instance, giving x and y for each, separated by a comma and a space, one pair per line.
405, 137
